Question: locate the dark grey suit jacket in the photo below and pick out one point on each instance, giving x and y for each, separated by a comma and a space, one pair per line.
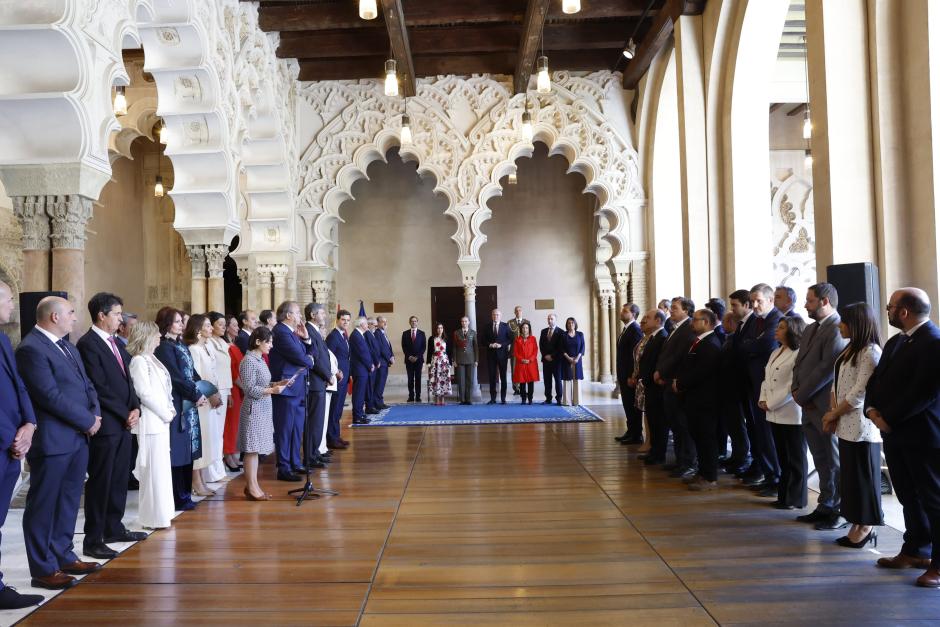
674, 351
813, 370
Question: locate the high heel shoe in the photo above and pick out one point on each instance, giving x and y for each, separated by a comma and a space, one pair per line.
871, 537
252, 497
236, 468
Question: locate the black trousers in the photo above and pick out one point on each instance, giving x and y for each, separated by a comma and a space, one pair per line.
182, 485
732, 417
526, 390
860, 482
551, 371
678, 423
313, 427
702, 422
414, 379
634, 416
915, 474
762, 440
790, 442
497, 364
109, 460
655, 416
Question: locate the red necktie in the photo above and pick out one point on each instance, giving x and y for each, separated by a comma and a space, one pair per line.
413, 336
694, 344
117, 353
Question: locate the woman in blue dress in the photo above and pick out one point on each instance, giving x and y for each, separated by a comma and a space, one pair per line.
185, 437
571, 369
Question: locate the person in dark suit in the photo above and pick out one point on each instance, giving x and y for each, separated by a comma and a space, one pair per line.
757, 343
785, 301
320, 377
247, 321
674, 350
902, 398
630, 336
67, 413
267, 318
338, 343
128, 320
289, 359
551, 342
736, 385
386, 360
413, 344
371, 401
361, 365
696, 383
495, 336
665, 306
17, 426
652, 393
109, 453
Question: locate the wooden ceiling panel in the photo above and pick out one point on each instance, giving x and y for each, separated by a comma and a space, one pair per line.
602, 9
465, 64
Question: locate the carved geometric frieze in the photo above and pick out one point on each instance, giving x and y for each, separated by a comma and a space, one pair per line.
215, 258
31, 213
69, 215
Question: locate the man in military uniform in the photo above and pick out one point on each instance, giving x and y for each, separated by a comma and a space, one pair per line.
466, 356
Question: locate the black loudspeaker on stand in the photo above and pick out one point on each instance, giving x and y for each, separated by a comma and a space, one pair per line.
308, 491
856, 283
28, 303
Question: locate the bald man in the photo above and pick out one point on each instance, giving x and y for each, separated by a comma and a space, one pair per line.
903, 400
67, 414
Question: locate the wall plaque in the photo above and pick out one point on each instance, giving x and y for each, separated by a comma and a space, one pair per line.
383, 308
545, 303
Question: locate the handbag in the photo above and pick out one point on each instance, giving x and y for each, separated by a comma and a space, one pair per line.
205, 388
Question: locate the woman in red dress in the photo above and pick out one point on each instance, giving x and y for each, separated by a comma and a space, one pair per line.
526, 372
230, 434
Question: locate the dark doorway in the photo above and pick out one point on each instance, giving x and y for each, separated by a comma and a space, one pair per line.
447, 307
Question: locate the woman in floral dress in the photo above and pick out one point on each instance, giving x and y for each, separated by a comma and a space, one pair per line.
438, 367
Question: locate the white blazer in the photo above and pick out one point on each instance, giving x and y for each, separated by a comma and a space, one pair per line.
154, 389
223, 363
204, 362
775, 390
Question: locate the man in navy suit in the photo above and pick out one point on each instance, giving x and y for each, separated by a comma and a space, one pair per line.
320, 376
17, 425
109, 452
361, 365
247, 320
338, 343
289, 358
413, 345
550, 346
498, 341
630, 336
903, 400
386, 359
371, 400
652, 324
670, 357
67, 413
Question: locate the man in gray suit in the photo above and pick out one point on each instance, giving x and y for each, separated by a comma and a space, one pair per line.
466, 356
812, 383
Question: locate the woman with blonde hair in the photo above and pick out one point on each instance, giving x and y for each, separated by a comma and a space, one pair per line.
152, 384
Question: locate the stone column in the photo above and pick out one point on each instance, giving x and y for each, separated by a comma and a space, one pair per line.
470, 310
215, 258
243, 277
292, 289
603, 331
637, 292
68, 216
264, 287
279, 271
197, 258
31, 213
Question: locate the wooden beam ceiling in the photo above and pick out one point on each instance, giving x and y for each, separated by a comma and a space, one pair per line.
656, 38
401, 51
535, 14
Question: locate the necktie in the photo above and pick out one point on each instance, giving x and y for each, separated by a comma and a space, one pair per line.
760, 325
550, 330
414, 336
117, 354
65, 349
694, 344
495, 328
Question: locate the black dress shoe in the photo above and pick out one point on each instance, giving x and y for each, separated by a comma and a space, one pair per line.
466, 403
288, 476
313, 463
771, 491
185, 507
813, 517
361, 421
780, 505
100, 551
621, 438
493, 402
651, 461
835, 521
371, 410
502, 402
753, 479
410, 399
10, 599
323, 459
547, 402
127, 536
417, 399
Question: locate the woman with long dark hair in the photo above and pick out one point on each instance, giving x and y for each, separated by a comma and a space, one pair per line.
439, 371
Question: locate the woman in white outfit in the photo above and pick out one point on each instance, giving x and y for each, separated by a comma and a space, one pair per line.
154, 389
218, 347
195, 337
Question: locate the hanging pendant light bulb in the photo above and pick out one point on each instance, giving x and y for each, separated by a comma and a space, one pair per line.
368, 9
511, 179
405, 129
158, 187
570, 6
391, 79
807, 125
808, 161
630, 51
120, 101
163, 133
527, 126
544, 81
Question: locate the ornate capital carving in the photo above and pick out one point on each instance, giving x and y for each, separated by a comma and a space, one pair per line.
197, 257
69, 215
264, 274
243, 275
31, 213
622, 282
279, 271
215, 256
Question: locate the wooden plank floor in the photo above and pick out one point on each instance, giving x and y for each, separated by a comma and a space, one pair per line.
493, 525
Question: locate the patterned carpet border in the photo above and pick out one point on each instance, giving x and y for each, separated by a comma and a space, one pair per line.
411, 415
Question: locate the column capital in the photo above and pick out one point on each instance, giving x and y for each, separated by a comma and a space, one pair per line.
197, 257
264, 272
280, 272
243, 275
215, 257
69, 215
33, 219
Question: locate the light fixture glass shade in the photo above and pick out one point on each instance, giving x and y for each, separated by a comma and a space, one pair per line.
368, 9
511, 179
570, 6
158, 187
163, 134
544, 81
807, 125
120, 101
405, 129
391, 79
630, 51
808, 161
526, 127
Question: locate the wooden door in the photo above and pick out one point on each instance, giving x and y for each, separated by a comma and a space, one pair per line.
447, 307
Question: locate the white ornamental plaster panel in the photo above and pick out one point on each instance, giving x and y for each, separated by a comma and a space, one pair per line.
794, 231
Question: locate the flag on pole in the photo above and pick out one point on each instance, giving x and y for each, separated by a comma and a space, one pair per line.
362, 310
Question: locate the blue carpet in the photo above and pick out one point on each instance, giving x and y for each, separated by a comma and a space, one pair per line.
482, 414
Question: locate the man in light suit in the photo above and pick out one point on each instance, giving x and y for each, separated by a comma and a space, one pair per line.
550, 347
320, 377
498, 342
812, 384
361, 365
466, 356
386, 360
515, 326
67, 413
109, 452
338, 343
17, 425
667, 368
413, 345
289, 357
630, 336
247, 321
903, 400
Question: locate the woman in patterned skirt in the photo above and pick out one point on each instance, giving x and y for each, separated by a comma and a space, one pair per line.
438, 367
